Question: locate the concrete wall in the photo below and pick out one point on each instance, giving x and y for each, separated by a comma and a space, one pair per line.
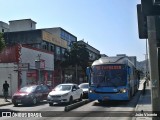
7, 73
22, 25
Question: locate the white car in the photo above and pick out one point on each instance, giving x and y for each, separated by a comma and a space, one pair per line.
66, 93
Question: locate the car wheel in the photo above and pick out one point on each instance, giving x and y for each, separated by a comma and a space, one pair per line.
34, 101
50, 104
15, 104
70, 100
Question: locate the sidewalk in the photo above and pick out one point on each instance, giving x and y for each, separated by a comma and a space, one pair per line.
144, 104
3, 102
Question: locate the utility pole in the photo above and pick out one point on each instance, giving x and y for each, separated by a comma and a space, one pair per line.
146, 57
147, 68
153, 53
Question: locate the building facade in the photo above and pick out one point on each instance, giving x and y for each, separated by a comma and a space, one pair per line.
4, 27
22, 25
55, 40
52, 40
18, 66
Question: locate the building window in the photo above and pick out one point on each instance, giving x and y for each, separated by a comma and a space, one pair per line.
62, 34
63, 51
2, 30
67, 36
58, 50
72, 38
52, 48
45, 46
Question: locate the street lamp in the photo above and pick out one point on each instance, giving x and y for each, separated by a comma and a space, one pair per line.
37, 66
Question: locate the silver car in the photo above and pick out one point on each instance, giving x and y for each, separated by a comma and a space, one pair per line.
84, 87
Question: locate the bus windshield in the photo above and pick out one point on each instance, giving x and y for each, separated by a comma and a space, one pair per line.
108, 75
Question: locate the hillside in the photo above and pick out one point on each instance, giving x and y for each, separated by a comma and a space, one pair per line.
142, 65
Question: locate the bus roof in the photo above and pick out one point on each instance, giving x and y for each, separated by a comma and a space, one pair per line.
112, 60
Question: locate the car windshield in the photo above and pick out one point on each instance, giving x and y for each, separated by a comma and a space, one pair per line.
28, 89
84, 85
63, 88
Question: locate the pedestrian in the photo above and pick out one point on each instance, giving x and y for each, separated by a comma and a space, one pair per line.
5, 90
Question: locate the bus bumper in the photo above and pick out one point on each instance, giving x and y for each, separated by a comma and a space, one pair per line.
105, 97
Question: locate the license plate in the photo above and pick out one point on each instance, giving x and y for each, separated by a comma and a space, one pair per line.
18, 101
55, 99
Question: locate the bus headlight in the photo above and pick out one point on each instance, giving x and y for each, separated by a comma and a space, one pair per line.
122, 90
91, 91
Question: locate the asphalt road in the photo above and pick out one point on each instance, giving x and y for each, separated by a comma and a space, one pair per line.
111, 110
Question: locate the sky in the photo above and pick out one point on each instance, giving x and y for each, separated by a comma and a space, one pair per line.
110, 26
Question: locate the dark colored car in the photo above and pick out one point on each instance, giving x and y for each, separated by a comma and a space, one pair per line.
30, 94
84, 87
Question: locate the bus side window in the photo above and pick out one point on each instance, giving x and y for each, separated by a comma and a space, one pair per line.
129, 71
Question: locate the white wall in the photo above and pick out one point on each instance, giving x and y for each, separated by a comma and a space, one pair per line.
7, 73
30, 55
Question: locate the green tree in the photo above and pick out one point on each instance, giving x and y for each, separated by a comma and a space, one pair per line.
77, 56
2, 42
66, 61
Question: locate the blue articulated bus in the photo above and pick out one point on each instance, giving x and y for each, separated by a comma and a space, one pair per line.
112, 78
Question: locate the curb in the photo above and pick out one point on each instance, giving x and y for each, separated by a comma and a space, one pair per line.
5, 104
75, 105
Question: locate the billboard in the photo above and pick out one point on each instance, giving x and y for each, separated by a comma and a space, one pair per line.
54, 39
